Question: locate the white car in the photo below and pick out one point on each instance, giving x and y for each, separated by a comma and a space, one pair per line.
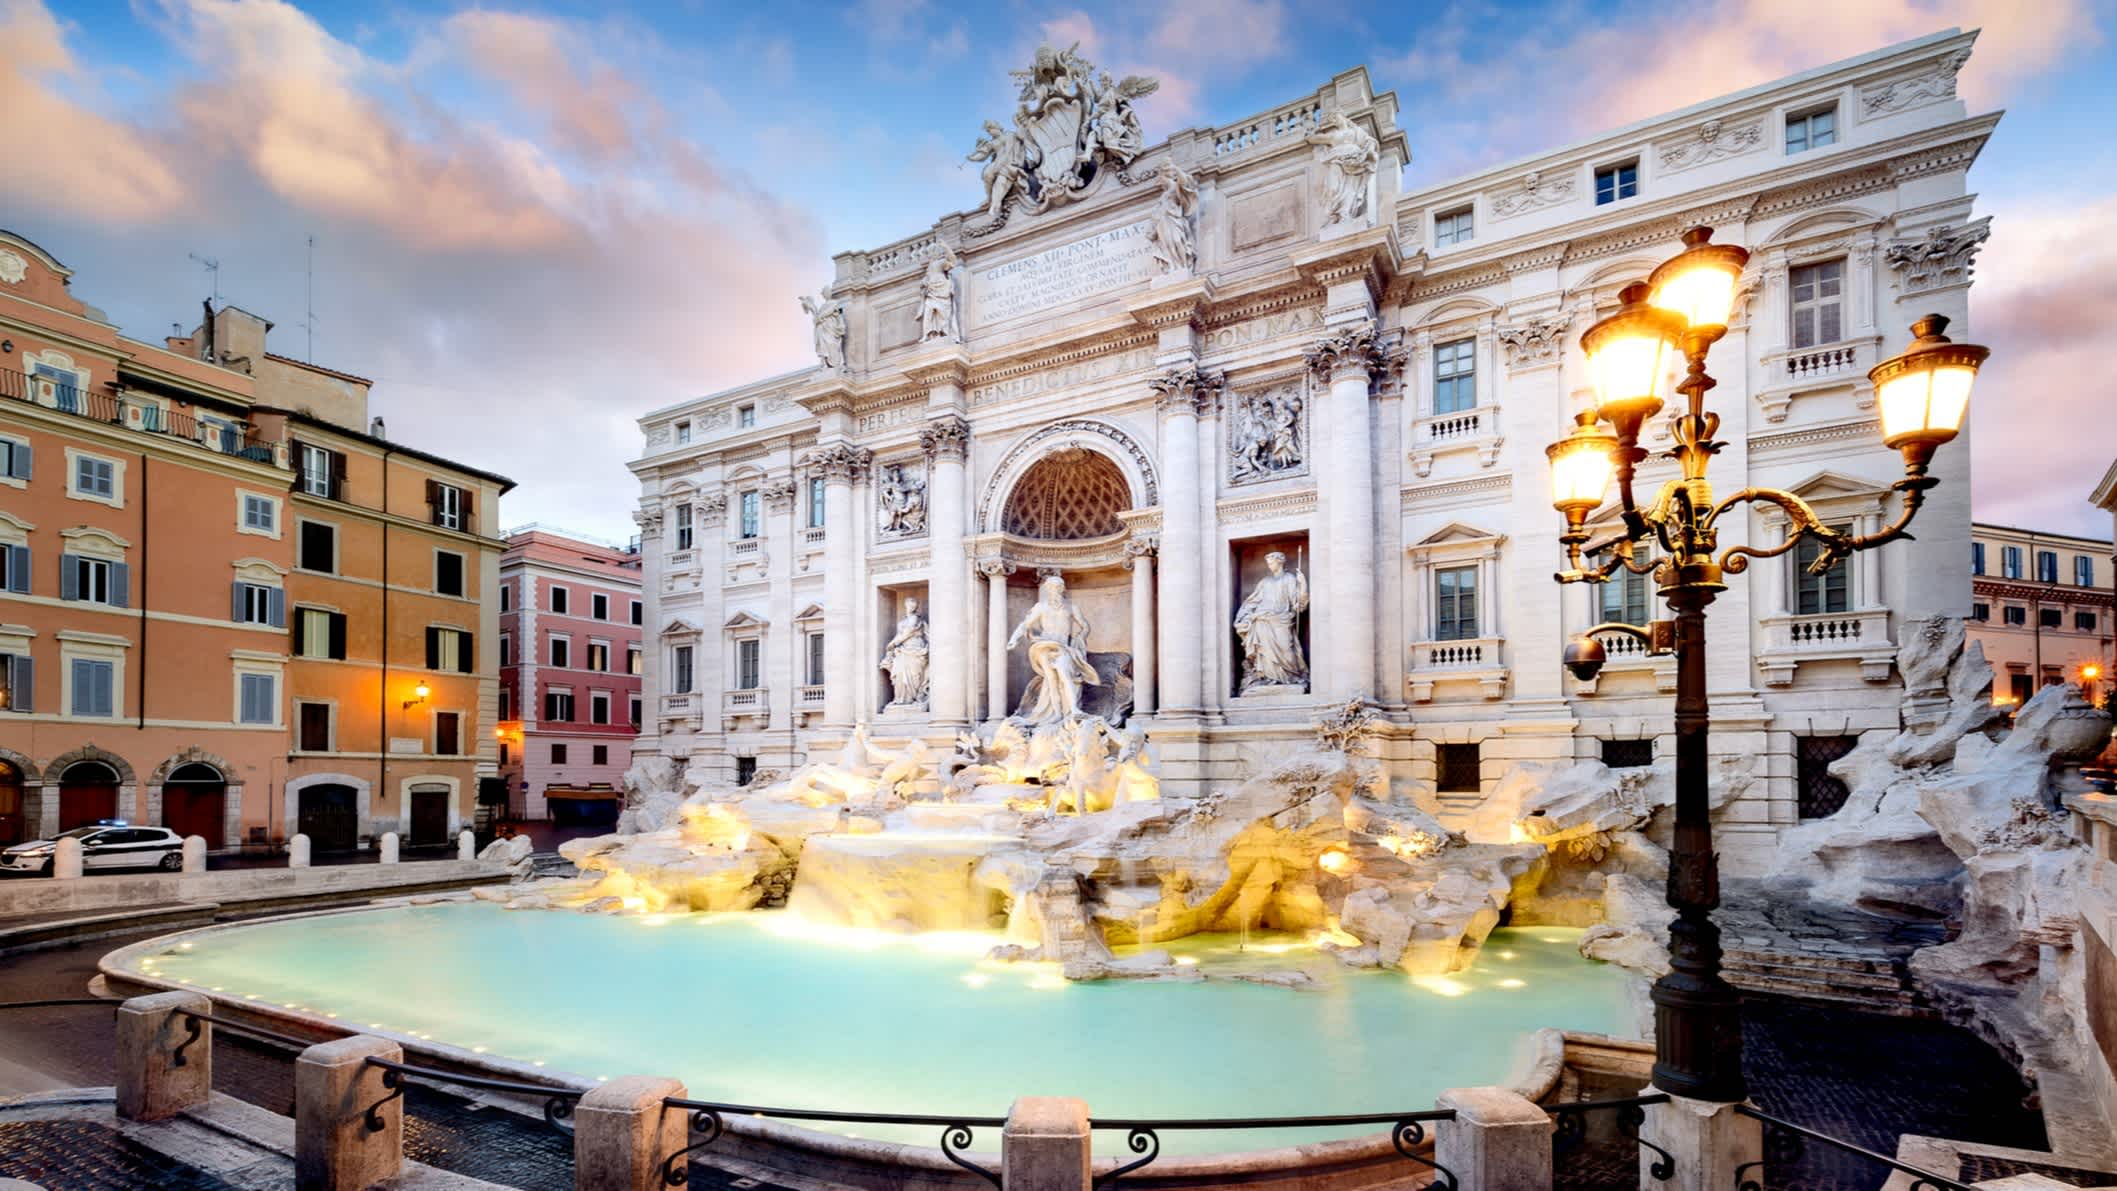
103, 846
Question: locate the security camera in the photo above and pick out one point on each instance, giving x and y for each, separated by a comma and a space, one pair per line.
1585, 656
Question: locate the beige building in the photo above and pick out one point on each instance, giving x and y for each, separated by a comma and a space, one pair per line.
2041, 608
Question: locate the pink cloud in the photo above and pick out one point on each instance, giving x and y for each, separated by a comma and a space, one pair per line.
534, 58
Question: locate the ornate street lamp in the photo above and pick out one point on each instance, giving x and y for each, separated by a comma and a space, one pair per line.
1684, 308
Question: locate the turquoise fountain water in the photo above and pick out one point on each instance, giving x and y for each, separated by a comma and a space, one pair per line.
760, 1009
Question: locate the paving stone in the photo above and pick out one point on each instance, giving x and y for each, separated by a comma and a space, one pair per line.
80, 1156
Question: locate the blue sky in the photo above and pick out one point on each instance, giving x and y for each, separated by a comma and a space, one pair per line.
534, 222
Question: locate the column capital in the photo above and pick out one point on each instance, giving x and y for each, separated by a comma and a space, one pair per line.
839, 463
712, 509
1360, 348
1188, 389
778, 492
1141, 546
649, 519
995, 568
946, 439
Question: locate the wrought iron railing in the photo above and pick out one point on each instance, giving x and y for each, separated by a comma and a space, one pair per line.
1570, 1127
229, 437
1407, 1130
558, 1102
1785, 1143
709, 1118
192, 1033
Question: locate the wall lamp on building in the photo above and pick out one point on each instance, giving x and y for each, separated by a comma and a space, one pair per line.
1675, 316
419, 694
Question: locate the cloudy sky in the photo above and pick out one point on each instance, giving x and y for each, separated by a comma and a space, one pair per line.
533, 223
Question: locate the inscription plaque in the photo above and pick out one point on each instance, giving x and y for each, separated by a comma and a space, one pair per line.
1058, 276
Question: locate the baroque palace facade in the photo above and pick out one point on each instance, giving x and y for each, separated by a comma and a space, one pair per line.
1146, 370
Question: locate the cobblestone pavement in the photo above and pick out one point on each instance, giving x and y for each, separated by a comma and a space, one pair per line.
1763, 917
1978, 1168
79, 1156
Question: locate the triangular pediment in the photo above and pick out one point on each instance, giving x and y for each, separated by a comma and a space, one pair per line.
680, 628
812, 612
1824, 485
1456, 531
745, 620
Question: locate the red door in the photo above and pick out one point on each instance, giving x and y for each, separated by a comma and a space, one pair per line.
88, 791
192, 802
11, 820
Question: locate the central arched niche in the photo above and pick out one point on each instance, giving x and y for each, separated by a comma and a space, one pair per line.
1070, 494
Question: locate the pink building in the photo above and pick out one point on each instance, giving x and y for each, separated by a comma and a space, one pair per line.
570, 616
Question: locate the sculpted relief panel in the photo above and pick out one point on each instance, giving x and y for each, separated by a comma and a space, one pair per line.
1267, 434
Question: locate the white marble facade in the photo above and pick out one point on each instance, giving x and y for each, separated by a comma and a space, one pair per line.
1360, 378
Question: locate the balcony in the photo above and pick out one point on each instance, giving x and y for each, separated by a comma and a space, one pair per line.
225, 437
1477, 659
746, 703
1861, 637
810, 695
1477, 428
676, 705
1841, 365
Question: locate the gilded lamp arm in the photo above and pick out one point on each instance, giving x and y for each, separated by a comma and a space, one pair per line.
1836, 545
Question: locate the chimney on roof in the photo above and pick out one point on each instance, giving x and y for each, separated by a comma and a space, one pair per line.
376, 429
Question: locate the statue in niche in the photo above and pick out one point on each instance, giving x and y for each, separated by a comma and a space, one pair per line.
1350, 157
1058, 653
903, 504
1269, 624
1173, 244
904, 660
937, 298
1265, 436
828, 316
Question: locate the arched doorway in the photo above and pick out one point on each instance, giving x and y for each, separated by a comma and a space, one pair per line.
329, 814
88, 791
194, 800
13, 824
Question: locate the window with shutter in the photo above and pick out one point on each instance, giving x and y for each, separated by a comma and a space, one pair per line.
15, 458
319, 548
18, 672
448, 734
93, 688
313, 723
260, 699
14, 569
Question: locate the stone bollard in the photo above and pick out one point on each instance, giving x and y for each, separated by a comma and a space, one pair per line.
1045, 1146
194, 853
389, 847
298, 851
1707, 1139
66, 859
622, 1133
1498, 1139
152, 1086
466, 845
334, 1150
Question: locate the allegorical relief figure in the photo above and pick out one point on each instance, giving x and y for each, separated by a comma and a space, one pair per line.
904, 659
1265, 435
1350, 157
828, 315
1058, 653
1269, 623
937, 298
902, 503
1172, 237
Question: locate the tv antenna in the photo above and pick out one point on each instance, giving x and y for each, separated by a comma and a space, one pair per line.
308, 302
213, 266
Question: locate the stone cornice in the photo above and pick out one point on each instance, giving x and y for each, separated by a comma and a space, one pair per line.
2040, 593
1808, 436
1371, 256
1173, 305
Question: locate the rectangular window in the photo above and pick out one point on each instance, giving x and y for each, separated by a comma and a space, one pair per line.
599, 656
16, 459
1455, 604
319, 634
1459, 768
507, 652
749, 520
745, 770
559, 600
561, 652
558, 754
1980, 611
1977, 558
448, 734
634, 663
2085, 622
1453, 227
815, 659
1818, 292
637, 611
599, 707
816, 505
2010, 562
683, 433
258, 604
312, 727
95, 477
1627, 754
683, 527
507, 597
507, 704
1454, 376
2021, 686
260, 513
599, 754
1812, 129
558, 706
2083, 571
1624, 599
1614, 182
17, 682
260, 699
1817, 794
448, 573
681, 677
599, 606
745, 416
506, 754
94, 581
2050, 618
634, 704
2014, 614
94, 688
2047, 566
319, 548
14, 569
450, 505
1827, 592
747, 672
320, 469
448, 649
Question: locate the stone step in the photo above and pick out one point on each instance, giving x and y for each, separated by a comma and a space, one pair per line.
1829, 977
1814, 959
1898, 1005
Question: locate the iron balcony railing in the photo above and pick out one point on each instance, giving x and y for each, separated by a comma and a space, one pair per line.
226, 436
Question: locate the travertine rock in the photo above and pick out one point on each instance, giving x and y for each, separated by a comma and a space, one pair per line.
513, 850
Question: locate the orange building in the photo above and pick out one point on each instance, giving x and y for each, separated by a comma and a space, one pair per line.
227, 603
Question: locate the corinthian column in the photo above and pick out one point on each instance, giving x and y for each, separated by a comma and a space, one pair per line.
1344, 364
996, 629
1179, 395
839, 464
946, 441
1139, 559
